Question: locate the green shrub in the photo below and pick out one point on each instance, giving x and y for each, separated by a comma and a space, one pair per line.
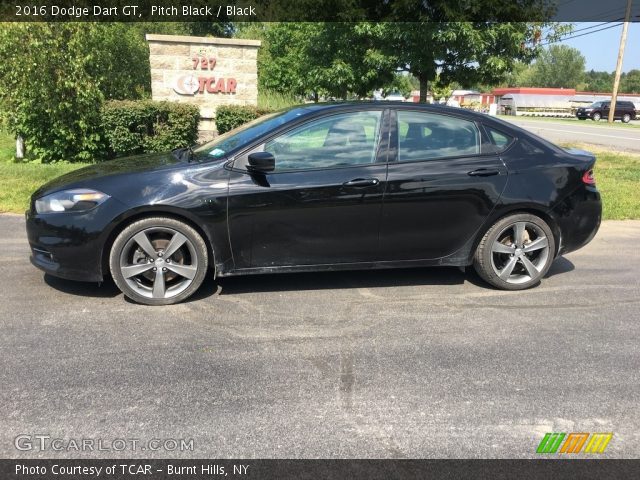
145, 126
229, 117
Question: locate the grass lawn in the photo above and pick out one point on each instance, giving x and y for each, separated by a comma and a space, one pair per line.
617, 177
20, 179
7, 147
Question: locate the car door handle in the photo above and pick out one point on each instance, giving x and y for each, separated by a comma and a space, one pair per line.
361, 182
483, 172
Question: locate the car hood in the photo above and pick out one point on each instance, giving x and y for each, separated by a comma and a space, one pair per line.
126, 165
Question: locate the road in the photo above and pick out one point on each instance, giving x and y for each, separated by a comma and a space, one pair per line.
388, 364
616, 137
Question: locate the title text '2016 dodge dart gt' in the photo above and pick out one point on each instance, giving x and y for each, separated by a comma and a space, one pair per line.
322, 187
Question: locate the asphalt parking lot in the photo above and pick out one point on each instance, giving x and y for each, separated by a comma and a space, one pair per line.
390, 364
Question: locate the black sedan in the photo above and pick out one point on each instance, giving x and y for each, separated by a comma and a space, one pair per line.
322, 187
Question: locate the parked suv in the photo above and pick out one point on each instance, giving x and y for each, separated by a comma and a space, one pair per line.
625, 111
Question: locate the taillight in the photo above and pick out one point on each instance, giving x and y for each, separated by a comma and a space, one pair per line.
588, 177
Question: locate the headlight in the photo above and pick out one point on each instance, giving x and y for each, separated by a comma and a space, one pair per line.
77, 200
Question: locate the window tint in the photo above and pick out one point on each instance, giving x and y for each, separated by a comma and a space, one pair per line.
339, 140
499, 139
424, 136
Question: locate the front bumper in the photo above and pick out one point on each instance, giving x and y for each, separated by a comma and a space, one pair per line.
70, 245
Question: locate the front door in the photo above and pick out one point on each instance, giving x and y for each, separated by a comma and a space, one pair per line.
321, 204
440, 187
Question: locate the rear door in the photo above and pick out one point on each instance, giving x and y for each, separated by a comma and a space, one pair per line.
440, 186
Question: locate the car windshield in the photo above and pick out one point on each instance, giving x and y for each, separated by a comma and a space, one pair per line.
237, 137
595, 105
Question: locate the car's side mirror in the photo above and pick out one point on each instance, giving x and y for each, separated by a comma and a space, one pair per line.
261, 162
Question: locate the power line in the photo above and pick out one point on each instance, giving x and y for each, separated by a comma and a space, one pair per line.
591, 27
583, 34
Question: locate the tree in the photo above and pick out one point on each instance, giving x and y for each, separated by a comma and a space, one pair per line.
630, 82
518, 76
121, 61
559, 66
54, 77
282, 59
48, 92
401, 83
598, 81
323, 59
348, 58
440, 90
467, 53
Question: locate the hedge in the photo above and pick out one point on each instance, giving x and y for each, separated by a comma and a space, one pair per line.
145, 126
229, 117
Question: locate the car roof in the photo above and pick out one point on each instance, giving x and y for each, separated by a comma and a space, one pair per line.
314, 108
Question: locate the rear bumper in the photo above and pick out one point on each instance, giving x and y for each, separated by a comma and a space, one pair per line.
578, 217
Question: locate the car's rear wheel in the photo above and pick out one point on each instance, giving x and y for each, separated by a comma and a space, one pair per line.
626, 118
158, 261
516, 252
596, 117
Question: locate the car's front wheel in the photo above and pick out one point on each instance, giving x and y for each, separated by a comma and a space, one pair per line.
596, 117
158, 261
516, 252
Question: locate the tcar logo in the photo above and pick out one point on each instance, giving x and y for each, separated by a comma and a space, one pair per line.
186, 85
574, 442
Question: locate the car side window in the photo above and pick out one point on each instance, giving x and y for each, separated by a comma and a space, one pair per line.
426, 136
499, 139
338, 140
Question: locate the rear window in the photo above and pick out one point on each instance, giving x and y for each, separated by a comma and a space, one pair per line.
499, 140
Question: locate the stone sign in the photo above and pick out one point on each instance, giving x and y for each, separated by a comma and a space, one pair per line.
204, 71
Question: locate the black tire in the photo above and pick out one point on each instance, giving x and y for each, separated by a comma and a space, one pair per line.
163, 279
486, 258
626, 118
596, 117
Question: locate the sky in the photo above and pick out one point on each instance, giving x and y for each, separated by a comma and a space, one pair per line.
600, 49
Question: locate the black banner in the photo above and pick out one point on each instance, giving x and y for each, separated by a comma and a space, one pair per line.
318, 10
317, 469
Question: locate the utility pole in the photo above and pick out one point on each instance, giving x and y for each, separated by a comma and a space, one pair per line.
616, 82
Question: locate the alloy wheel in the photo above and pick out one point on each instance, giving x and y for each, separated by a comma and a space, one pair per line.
520, 252
158, 263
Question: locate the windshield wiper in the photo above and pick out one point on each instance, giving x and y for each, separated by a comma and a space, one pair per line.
179, 153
